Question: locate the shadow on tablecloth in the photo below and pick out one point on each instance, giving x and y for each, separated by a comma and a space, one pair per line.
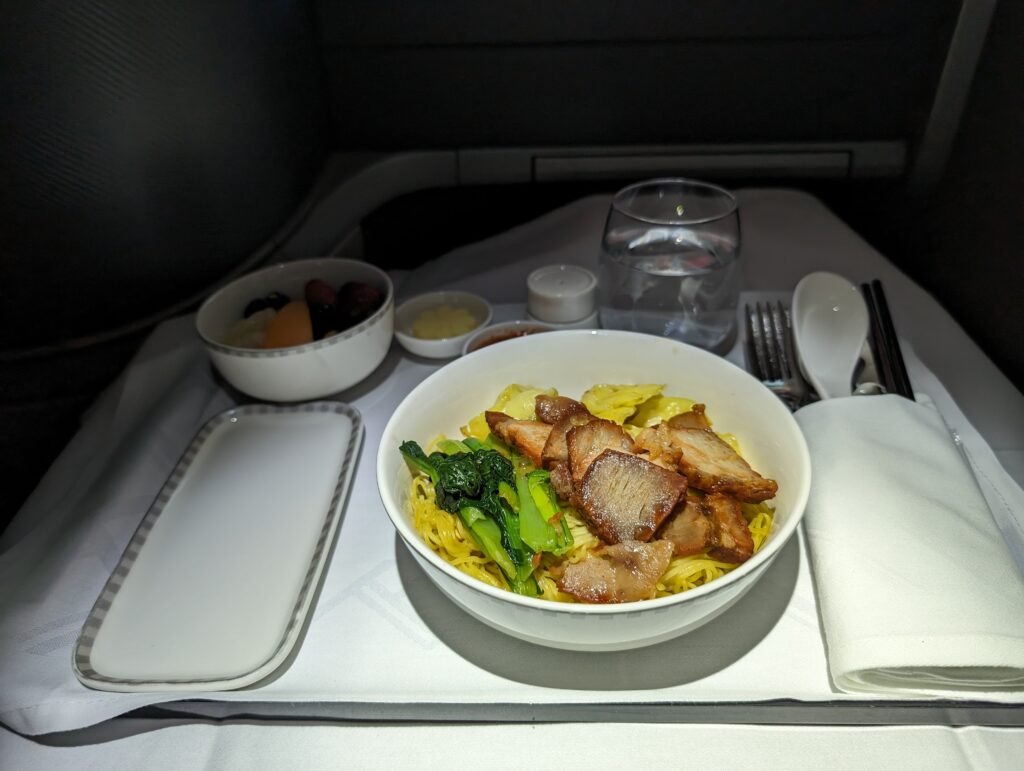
694, 656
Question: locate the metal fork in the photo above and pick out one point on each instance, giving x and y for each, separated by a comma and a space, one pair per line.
770, 353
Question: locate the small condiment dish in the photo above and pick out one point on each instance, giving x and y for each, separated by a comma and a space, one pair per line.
448, 347
502, 331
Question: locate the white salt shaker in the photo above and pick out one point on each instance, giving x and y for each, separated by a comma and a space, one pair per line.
562, 295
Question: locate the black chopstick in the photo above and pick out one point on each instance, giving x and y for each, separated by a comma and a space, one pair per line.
885, 346
883, 371
902, 380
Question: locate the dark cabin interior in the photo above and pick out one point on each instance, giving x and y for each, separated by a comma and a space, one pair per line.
151, 150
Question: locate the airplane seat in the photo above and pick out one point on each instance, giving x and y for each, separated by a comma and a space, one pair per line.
151, 149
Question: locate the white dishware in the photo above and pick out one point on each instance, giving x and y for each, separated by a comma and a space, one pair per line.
503, 331
213, 588
571, 362
830, 326
445, 347
300, 372
561, 294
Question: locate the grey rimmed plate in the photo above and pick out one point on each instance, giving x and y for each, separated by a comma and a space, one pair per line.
214, 586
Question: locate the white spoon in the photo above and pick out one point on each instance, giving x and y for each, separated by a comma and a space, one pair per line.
830, 325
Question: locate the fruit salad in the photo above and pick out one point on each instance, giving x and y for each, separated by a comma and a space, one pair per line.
278, 321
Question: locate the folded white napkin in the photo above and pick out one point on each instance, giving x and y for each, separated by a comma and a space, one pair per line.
919, 594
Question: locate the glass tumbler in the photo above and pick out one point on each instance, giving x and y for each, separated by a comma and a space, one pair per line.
670, 262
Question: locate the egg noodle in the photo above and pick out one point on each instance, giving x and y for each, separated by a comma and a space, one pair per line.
641, 406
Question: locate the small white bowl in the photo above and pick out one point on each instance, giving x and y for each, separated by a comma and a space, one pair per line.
445, 347
502, 331
299, 372
572, 361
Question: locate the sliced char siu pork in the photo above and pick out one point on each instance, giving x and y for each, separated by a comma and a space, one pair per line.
530, 436
731, 539
624, 572
563, 414
621, 495
713, 466
556, 449
527, 436
552, 409
626, 498
561, 481
586, 442
689, 529
714, 524
695, 418
656, 445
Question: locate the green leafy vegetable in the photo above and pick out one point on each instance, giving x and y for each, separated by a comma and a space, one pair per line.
418, 460
451, 447
488, 535
539, 514
476, 484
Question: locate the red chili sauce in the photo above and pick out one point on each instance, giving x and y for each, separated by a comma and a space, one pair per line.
502, 336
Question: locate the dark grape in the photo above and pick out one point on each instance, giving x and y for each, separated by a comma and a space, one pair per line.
323, 318
319, 292
357, 301
277, 300
254, 306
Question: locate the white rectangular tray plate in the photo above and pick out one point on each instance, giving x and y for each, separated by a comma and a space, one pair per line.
213, 589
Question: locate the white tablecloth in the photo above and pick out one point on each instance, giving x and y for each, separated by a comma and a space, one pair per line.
786, 234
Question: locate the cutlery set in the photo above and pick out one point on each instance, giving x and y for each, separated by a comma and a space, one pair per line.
832, 336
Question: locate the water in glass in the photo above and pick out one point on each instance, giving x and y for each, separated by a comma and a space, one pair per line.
671, 281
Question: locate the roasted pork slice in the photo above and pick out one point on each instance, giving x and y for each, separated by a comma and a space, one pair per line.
557, 448
713, 466
495, 419
552, 409
561, 482
695, 418
586, 442
624, 572
526, 436
657, 447
730, 535
689, 529
626, 498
